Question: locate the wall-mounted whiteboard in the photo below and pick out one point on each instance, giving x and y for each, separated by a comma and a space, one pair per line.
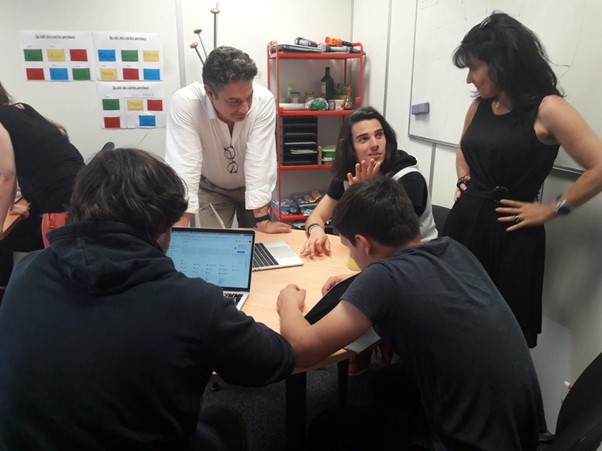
569, 30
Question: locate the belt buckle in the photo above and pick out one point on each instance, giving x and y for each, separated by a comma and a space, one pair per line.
499, 192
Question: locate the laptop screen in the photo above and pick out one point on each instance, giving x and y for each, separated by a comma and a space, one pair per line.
220, 256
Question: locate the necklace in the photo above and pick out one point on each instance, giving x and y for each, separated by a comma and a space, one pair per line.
498, 107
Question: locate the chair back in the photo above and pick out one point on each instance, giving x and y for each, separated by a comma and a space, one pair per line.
440, 215
579, 425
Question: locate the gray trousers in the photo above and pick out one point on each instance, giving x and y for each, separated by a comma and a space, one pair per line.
226, 202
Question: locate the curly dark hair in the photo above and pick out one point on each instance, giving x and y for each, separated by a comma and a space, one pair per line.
517, 61
344, 156
130, 186
226, 64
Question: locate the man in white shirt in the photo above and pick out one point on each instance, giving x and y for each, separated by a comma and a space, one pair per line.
220, 139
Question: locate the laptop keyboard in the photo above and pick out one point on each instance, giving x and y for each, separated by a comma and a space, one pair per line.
262, 257
233, 296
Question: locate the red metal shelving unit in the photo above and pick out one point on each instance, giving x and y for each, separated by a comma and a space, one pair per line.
274, 58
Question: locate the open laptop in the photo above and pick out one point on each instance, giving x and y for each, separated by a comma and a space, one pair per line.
274, 254
222, 257
270, 254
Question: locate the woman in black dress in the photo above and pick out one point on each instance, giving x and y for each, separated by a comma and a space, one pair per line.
37, 153
510, 140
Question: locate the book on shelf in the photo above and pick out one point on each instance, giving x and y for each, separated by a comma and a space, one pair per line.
286, 206
307, 210
307, 199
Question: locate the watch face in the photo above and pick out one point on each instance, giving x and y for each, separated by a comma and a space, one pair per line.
562, 207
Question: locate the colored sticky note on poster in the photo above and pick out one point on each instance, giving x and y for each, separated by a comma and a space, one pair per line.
78, 54
56, 54
108, 73
151, 55
81, 73
59, 73
34, 73
112, 122
152, 74
110, 104
33, 55
131, 74
147, 121
106, 55
154, 105
129, 55
135, 104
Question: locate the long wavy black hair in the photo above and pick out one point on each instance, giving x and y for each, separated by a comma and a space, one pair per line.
344, 156
517, 61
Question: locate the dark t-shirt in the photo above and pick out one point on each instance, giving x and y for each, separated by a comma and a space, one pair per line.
459, 342
45, 160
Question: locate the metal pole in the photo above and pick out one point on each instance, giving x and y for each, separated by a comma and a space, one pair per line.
215, 12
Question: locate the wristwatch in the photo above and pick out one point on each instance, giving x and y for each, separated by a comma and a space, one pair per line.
562, 207
262, 218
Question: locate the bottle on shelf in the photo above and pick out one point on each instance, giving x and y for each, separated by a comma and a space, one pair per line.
327, 85
305, 41
289, 92
299, 151
348, 105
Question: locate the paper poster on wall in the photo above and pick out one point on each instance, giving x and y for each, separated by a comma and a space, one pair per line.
128, 56
131, 105
57, 55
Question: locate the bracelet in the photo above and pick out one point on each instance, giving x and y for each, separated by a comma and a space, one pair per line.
262, 218
311, 226
464, 179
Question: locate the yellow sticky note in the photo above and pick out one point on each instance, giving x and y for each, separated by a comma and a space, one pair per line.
108, 73
151, 55
56, 55
135, 104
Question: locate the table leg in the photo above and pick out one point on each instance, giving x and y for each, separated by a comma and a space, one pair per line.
343, 379
296, 407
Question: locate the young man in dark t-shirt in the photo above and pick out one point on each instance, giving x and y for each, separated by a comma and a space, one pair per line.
465, 368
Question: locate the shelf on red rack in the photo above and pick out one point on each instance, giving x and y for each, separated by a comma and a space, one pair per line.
283, 112
315, 55
304, 167
298, 217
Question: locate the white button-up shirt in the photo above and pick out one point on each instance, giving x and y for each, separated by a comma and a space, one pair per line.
196, 139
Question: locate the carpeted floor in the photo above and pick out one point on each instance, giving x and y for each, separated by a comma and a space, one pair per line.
264, 408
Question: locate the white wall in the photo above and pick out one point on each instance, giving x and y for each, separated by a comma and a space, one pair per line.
389, 48
250, 25
75, 104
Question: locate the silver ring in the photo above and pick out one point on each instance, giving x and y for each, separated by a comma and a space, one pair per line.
516, 218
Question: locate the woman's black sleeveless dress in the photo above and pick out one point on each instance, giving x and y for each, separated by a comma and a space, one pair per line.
506, 161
